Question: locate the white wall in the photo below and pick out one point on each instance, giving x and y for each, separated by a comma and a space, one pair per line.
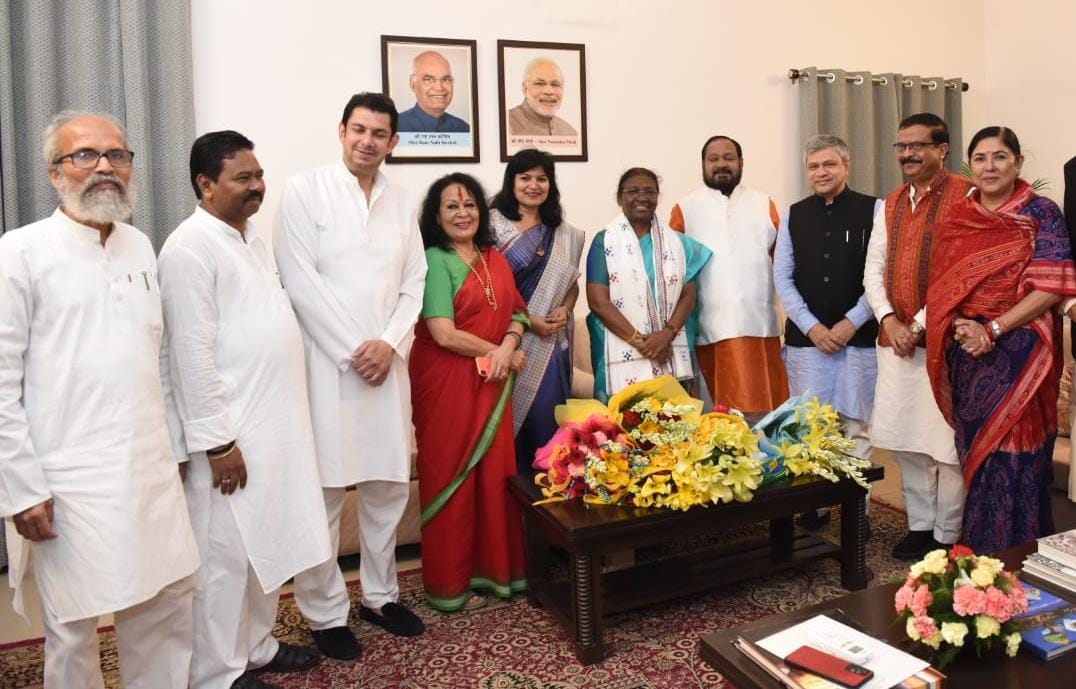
1031, 83
661, 77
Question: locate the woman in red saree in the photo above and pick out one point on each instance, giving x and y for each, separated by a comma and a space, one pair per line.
1001, 263
472, 533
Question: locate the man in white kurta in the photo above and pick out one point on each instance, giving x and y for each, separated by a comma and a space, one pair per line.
906, 419
87, 475
739, 344
351, 258
236, 358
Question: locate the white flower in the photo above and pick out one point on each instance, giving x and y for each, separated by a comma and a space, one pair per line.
1012, 644
913, 633
954, 632
936, 561
986, 626
982, 577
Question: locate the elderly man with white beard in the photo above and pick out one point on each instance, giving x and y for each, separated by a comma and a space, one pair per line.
87, 475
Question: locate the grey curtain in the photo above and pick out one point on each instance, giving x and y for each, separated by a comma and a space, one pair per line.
864, 109
129, 58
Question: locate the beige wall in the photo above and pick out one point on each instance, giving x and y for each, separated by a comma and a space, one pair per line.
1031, 83
661, 77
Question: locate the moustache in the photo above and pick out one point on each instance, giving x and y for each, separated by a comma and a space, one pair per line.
98, 179
253, 195
905, 161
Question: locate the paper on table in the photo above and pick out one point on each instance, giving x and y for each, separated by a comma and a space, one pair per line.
890, 665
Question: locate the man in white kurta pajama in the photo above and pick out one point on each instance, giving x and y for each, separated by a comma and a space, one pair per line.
236, 357
86, 469
351, 258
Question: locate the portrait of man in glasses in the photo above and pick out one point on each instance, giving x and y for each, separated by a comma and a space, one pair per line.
432, 83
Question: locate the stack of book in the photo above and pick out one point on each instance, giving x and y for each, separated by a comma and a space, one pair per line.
1056, 560
1049, 626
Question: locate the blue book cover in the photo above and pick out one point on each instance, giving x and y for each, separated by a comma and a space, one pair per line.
1039, 601
1054, 635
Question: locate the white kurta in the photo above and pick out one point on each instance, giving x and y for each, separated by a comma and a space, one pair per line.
736, 293
354, 271
82, 417
906, 416
236, 359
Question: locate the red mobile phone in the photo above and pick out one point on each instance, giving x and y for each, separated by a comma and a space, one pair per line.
482, 364
829, 667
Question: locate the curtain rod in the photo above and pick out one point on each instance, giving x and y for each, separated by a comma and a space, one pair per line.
796, 75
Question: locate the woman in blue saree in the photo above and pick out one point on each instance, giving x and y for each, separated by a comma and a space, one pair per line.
543, 252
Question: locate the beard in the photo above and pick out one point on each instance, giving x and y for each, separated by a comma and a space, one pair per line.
89, 204
725, 187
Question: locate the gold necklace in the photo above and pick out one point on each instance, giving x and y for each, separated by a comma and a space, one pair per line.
487, 286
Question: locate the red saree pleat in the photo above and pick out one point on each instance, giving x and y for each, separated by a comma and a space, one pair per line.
478, 534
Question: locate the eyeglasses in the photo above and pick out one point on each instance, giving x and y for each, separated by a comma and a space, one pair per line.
87, 158
637, 192
430, 80
914, 146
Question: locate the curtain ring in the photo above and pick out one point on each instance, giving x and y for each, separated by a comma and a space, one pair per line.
907, 83
933, 85
830, 77
858, 81
884, 81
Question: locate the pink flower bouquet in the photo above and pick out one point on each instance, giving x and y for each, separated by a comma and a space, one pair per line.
955, 598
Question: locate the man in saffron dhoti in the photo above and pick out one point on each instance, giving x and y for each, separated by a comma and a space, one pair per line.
739, 344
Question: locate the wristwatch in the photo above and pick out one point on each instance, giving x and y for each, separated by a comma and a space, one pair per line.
916, 329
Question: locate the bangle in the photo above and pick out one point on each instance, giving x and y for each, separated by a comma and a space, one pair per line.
995, 329
672, 328
636, 339
221, 455
513, 333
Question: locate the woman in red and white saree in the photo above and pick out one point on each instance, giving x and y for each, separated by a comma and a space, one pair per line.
1001, 263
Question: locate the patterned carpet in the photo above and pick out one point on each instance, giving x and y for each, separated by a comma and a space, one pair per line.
510, 645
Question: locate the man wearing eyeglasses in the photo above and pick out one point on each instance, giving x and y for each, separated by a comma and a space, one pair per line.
432, 83
906, 419
87, 475
543, 93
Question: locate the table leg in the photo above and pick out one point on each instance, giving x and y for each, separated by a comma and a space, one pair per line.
854, 575
782, 536
537, 562
586, 599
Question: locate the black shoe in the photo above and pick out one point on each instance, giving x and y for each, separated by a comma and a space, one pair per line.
337, 642
814, 520
394, 618
914, 545
935, 544
291, 658
249, 681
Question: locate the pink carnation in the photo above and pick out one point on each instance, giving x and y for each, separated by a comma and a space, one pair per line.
911, 581
1017, 596
968, 600
921, 600
925, 627
998, 605
903, 598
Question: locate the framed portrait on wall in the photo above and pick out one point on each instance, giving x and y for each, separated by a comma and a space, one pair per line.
543, 98
434, 83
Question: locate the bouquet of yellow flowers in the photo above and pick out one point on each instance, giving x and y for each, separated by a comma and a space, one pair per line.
952, 598
649, 446
803, 436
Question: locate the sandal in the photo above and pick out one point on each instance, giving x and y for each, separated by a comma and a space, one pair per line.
474, 602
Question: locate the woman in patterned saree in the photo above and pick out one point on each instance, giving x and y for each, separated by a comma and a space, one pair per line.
543, 252
641, 292
1001, 264
471, 535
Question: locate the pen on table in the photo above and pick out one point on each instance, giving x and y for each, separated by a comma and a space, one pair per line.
145, 279
846, 236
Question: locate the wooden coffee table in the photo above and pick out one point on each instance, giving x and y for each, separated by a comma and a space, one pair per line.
872, 611
586, 533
